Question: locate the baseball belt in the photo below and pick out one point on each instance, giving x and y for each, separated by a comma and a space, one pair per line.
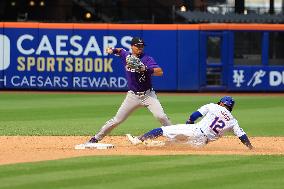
141, 93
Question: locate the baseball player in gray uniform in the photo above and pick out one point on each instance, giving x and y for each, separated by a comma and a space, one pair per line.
140, 93
217, 119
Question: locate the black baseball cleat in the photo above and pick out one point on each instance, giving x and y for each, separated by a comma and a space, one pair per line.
93, 140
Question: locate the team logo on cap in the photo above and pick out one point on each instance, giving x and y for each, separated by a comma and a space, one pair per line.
4, 52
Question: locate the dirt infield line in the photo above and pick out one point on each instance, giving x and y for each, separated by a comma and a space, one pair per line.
18, 149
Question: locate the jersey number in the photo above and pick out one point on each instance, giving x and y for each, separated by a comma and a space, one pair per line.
217, 125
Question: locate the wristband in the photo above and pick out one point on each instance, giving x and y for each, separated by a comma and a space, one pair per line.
114, 51
150, 70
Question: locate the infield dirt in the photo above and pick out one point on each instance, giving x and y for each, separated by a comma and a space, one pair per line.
17, 149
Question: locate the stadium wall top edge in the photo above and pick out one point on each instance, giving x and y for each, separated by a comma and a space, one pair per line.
211, 26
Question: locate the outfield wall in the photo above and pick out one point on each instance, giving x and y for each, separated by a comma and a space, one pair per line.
56, 56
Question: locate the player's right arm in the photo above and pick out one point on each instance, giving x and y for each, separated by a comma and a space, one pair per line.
115, 51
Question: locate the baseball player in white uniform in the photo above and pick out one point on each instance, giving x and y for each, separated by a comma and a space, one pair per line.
217, 119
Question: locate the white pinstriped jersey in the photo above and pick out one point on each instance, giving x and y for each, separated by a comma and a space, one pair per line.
216, 121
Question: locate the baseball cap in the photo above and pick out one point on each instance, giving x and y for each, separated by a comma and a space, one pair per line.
137, 41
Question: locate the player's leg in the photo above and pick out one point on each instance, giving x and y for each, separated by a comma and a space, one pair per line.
149, 135
170, 132
154, 105
179, 132
130, 103
155, 133
188, 134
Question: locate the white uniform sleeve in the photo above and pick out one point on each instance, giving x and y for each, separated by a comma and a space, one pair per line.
238, 131
204, 109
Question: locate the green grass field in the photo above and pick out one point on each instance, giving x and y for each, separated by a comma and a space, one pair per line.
84, 114
164, 172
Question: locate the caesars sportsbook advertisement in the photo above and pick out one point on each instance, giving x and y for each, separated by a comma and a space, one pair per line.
46, 56
61, 59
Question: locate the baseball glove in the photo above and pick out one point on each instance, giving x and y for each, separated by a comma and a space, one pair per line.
134, 63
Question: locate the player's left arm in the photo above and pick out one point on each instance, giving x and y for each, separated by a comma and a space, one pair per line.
152, 71
152, 67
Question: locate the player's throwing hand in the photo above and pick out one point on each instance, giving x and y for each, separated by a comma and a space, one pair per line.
109, 50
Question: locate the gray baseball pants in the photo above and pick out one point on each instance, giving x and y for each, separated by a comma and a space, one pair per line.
131, 102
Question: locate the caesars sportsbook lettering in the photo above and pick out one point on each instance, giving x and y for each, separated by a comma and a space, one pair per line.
67, 54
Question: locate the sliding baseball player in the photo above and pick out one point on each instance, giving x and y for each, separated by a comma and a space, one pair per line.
217, 120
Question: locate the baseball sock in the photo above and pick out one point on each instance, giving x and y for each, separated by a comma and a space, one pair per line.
152, 134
